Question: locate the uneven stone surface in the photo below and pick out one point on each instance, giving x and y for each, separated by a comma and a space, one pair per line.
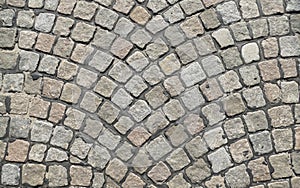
149, 93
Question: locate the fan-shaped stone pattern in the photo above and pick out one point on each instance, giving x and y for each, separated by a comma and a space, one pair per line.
157, 93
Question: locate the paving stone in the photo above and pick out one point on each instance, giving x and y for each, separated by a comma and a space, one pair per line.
122, 98
294, 181
52, 88
297, 112
45, 42
259, 27
290, 92
293, 6
61, 137
86, 78
3, 106
57, 112
212, 65
83, 32
233, 104
19, 104
74, 118
106, 17
70, 93
178, 180
124, 124
120, 72
138, 61
215, 138
133, 180
28, 61
105, 58
156, 97
123, 6
116, 169
199, 171
250, 52
19, 127
141, 38
80, 148
249, 9
153, 75
230, 81
16, 3
289, 68
139, 110
281, 116
105, 86
269, 70
13, 82
297, 137
85, 10
156, 49
37, 152
215, 181
191, 6
174, 14
81, 53
44, 22
157, 23
272, 92
141, 162
186, 52
25, 18
9, 58
281, 163
2, 149
254, 97
108, 112
209, 18
278, 25
294, 23
123, 27
278, 184
140, 15
176, 135
93, 127
250, 75
77, 178
229, 12
10, 174
156, 121
173, 110
108, 139
259, 170
41, 131
158, 148
241, 151
231, 57
138, 136
57, 175
283, 139
289, 46
211, 89
136, 86
234, 128
173, 85
240, 31
205, 45
98, 180
63, 26
98, 156
192, 98
159, 173
256, 121
194, 124
4, 125
192, 74
196, 147
270, 47
238, 177
223, 37
66, 7
272, 7
261, 142
103, 38
125, 151
220, 160
213, 113
27, 39
170, 64
63, 47
38, 108
209, 3
33, 174
192, 27
7, 16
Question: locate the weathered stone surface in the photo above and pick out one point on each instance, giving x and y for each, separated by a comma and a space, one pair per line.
198, 171
116, 169
281, 163
173, 110
33, 174
241, 151
57, 176
220, 160
158, 148
17, 151
159, 173
237, 177
77, 178
261, 142
10, 174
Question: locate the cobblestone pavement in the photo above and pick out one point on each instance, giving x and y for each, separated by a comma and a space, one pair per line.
150, 93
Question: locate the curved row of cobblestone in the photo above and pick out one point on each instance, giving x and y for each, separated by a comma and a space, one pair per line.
150, 93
